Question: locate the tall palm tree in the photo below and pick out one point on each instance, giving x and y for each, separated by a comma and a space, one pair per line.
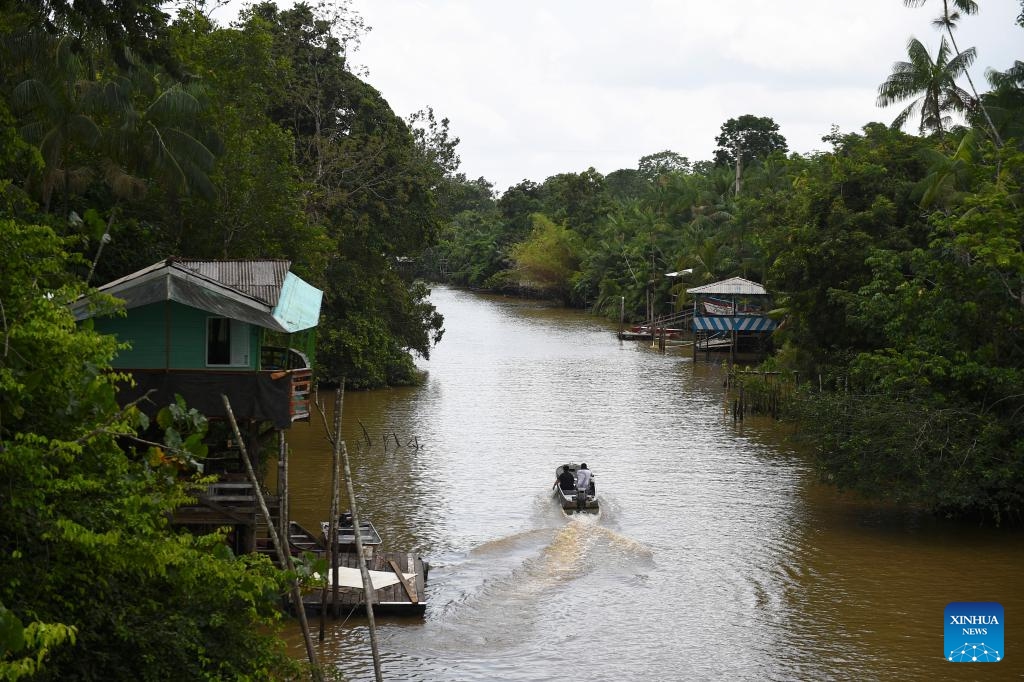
948, 176
947, 21
55, 99
156, 133
931, 84
1006, 99
143, 128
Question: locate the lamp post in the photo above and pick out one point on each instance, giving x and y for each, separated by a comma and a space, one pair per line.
675, 275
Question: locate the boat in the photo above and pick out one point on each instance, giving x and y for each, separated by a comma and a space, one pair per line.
347, 536
301, 540
568, 498
642, 332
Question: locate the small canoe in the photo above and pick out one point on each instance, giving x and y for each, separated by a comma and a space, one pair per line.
568, 498
301, 540
347, 536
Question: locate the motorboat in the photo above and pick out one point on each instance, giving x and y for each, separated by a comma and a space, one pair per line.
347, 535
301, 540
569, 498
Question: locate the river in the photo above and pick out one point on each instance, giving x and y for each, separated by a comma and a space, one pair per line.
716, 555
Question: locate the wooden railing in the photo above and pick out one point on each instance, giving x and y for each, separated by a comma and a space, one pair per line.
296, 364
225, 503
302, 380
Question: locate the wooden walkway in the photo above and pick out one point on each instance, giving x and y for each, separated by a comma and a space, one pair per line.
404, 598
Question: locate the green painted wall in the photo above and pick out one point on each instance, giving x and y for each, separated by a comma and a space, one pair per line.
145, 328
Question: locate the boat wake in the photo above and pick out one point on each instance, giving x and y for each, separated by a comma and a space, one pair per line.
511, 543
620, 544
521, 583
542, 573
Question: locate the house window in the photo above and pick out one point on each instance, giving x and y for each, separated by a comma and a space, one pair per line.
227, 342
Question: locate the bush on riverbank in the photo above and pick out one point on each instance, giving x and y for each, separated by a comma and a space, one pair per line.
953, 461
86, 549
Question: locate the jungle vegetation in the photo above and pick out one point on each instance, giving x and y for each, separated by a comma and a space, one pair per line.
127, 136
896, 260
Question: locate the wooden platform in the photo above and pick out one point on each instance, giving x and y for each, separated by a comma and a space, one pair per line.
404, 598
225, 503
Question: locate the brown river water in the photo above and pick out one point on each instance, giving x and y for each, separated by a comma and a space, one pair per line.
715, 556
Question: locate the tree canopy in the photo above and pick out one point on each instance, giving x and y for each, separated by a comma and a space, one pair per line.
895, 260
127, 137
756, 137
932, 84
93, 582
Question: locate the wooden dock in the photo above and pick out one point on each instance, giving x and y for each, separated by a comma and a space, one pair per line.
406, 597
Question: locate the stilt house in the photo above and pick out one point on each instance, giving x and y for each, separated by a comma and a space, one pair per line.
731, 315
203, 329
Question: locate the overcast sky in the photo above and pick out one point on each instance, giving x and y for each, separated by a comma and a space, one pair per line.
538, 87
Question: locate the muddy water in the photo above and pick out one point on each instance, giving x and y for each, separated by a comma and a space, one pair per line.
715, 556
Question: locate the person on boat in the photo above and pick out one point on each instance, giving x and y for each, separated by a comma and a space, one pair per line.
582, 485
566, 479
345, 519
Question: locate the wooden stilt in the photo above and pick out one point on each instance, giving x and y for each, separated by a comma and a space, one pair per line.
339, 448
364, 570
284, 557
335, 493
282, 484
622, 314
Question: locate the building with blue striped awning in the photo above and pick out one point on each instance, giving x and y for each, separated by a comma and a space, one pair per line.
738, 323
731, 315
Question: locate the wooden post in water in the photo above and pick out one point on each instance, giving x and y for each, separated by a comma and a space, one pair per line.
368, 592
622, 314
282, 484
363, 570
335, 492
285, 558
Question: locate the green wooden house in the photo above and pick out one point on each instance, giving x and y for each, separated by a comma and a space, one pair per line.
200, 329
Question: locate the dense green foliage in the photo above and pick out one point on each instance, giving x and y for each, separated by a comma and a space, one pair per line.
93, 582
754, 137
126, 138
231, 143
896, 261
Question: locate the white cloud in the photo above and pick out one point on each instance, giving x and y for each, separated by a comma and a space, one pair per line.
538, 87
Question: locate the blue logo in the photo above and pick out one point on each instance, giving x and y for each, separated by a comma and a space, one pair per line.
974, 632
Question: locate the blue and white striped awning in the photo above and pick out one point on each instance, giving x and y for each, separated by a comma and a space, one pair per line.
740, 323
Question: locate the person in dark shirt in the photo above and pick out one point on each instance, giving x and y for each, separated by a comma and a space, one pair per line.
566, 479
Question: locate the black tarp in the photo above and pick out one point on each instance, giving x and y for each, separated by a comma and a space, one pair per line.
253, 395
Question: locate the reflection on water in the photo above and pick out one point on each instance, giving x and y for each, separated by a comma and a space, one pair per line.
714, 555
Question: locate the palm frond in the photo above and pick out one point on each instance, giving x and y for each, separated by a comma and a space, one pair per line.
1012, 78
959, 64
176, 104
83, 128
32, 93
918, 53
903, 116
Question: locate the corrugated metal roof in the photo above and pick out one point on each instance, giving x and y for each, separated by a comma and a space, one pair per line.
261, 279
734, 286
250, 291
